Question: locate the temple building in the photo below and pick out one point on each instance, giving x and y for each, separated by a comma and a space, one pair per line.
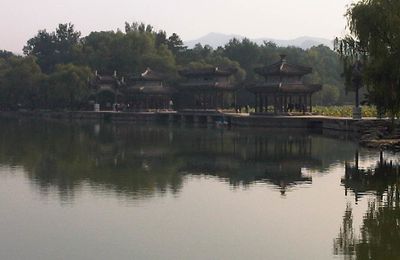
284, 91
207, 89
148, 92
106, 90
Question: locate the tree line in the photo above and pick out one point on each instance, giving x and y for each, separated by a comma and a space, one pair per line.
56, 66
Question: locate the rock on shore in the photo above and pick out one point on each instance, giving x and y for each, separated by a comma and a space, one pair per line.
377, 134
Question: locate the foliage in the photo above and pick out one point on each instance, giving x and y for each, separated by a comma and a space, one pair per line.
140, 46
375, 37
128, 53
68, 86
175, 44
379, 235
344, 111
5, 54
245, 52
328, 96
53, 48
20, 78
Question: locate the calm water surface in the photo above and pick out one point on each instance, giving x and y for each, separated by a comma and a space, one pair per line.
102, 191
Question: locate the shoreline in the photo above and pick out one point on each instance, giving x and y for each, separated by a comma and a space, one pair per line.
369, 132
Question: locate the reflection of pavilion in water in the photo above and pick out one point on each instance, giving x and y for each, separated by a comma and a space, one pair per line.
245, 159
242, 159
378, 179
143, 161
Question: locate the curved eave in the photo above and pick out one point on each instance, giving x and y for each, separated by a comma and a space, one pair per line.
211, 86
188, 73
286, 88
198, 75
96, 91
102, 83
146, 79
148, 90
283, 69
282, 73
104, 80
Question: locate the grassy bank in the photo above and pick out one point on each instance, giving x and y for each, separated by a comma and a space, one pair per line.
343, 111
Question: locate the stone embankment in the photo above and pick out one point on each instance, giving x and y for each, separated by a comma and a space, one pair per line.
379, 134
372, 133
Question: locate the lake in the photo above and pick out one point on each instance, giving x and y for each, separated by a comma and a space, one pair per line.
148, 191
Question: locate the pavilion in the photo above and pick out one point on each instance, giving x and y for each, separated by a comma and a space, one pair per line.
106, 90
148, 92
284, 91
208, 89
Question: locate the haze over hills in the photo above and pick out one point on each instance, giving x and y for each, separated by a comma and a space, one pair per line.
219, 39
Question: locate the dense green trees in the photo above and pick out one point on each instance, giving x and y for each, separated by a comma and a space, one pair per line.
374, 41
140, 46
128, 53
67, 60
53, 48
67, 86
23, 85
20, 79
245, 52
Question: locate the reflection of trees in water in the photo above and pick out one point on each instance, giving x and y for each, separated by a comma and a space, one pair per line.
345, 243
375, 180
141, 161
380, 232
66, 156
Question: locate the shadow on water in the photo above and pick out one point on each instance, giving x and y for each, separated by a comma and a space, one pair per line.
140, 161
379, 235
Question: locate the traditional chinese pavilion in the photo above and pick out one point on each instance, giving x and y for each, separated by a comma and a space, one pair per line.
207, 89
106, 90
284, 90
148, 92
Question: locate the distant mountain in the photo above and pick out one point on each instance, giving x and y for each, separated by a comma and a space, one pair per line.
219, 39
213, 39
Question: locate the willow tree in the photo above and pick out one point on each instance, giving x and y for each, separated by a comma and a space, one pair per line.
68, 86
374, 40
20, 80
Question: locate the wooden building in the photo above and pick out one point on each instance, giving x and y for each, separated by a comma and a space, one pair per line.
106, 90
148, 92
207, 89
284, 90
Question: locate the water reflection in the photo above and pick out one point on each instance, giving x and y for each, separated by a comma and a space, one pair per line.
148, 160
242, 158
376, 179
379, 235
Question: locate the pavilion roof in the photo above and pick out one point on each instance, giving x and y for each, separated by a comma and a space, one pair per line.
148, 75
284, 88
282, 67
105, 79
150, 89
210, 71
207, 86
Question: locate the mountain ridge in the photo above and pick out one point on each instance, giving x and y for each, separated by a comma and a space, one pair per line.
220, 39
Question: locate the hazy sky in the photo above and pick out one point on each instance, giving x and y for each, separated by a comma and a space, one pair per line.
281, 19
